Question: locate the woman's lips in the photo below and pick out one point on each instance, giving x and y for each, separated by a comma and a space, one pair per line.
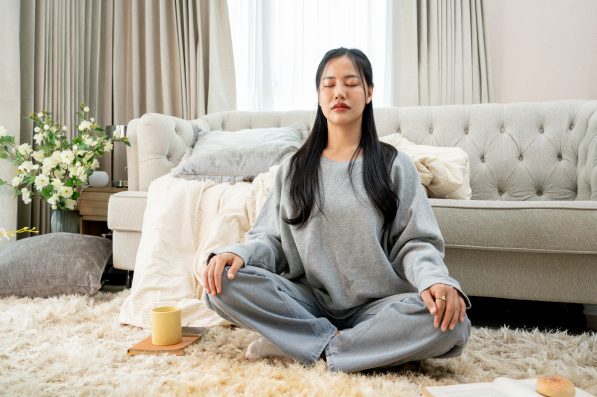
340, 108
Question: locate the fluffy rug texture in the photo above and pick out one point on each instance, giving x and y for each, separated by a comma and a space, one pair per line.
74, 345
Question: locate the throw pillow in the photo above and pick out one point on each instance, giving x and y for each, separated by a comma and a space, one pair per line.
231, 156
53, 264
444, 171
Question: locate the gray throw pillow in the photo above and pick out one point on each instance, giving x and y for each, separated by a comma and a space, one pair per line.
53, 264
231, 156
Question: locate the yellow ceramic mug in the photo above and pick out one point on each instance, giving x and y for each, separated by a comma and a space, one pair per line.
166, 326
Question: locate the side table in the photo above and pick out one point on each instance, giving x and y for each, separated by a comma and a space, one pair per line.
93, 209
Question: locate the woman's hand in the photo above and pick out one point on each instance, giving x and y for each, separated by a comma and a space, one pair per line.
212, 274
446, 305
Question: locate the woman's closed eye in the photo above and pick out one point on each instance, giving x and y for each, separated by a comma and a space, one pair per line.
348, 84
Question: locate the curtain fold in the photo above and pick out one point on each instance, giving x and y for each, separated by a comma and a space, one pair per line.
177, 59
437, 53
9, 106
124, 58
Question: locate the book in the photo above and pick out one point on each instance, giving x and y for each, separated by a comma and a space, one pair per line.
500, 387
146, 347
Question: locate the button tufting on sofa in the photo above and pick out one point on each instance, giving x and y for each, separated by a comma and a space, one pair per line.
541, 130
502, 129
431, 130
466, 130
539, 192
482, 158
560, 157
520, 157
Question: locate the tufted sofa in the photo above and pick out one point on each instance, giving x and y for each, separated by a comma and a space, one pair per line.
529, 230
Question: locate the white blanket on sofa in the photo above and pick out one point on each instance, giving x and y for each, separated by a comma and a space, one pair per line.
185, 219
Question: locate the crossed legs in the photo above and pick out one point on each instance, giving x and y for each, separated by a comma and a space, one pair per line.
386, 332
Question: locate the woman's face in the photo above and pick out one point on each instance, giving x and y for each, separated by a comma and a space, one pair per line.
342, 93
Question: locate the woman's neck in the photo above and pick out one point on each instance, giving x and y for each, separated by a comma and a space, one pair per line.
342, 142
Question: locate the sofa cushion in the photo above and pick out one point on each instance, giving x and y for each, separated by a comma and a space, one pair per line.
527, 226
444, 171
225, 156
53, 264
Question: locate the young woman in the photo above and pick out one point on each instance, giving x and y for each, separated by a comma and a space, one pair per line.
345, 261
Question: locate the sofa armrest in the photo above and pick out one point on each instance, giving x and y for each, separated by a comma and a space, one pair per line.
125, 219
158, 143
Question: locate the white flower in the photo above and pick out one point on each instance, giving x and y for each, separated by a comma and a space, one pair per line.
70, 204
57, 183
53, 200
83, 177
17, 180
59, 173
26, 166
41, 181
39, 138
26, 195
50, 163
37, 129
38, 156
65, 191
40, 114
64, 128
25, 149
86, 109
92, 119
67, 156
4, 234
108, 146
87, 140
85, 125
94, 164
3, 131
57, 155
46, 127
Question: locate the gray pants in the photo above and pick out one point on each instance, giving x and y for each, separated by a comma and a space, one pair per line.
382, 333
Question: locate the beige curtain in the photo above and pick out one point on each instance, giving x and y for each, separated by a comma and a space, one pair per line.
124, 58
437, 53
9, 106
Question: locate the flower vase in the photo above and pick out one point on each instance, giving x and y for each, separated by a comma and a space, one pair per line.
64, 221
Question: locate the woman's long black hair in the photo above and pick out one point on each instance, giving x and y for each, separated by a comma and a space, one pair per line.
377, 156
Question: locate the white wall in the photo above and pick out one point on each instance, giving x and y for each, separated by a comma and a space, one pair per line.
9, 103
542, 49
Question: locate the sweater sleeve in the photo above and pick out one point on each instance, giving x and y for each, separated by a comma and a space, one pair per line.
416, 246
262, 247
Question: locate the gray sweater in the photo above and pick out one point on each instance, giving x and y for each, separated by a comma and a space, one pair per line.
342, 254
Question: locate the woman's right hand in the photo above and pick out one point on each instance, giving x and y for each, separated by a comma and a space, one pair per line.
212, 274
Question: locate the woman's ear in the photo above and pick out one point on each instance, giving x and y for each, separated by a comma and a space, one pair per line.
369, 94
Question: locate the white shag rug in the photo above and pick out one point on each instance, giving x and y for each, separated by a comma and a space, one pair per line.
74, 345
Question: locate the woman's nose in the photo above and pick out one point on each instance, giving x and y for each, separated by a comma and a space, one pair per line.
339, 91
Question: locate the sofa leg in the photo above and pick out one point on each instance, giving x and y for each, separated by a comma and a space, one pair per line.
129, 278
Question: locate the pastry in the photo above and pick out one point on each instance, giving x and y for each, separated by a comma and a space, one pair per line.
555, 386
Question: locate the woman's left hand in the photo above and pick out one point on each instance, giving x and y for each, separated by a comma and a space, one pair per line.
446, 305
